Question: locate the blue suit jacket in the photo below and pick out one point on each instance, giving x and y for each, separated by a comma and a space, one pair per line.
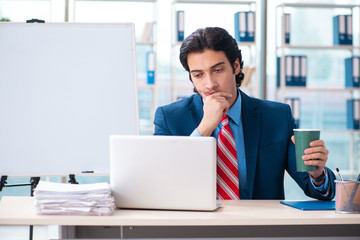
268, 127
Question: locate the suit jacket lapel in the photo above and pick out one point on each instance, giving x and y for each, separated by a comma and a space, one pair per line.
251, 120
196, 110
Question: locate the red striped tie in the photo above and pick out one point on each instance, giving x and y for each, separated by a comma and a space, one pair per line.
227, 166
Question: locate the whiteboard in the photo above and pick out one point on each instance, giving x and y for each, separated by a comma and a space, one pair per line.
64, 89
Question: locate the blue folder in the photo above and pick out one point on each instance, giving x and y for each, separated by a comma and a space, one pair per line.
311, 205
352, 119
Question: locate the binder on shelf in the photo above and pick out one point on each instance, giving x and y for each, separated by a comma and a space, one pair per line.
339, 30
150, 67
251, 26
349, 32
353, 113
147, 32
295, 71
286, 19
303, 70
244, 26
278, 71
180, 21
288, 71
240, 26
295, 109
342, 34
352, 72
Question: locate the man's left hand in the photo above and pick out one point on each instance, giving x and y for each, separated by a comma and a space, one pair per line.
316, 155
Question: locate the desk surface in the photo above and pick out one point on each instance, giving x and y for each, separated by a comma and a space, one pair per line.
20, 211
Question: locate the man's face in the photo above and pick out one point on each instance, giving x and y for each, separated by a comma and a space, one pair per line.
212, 72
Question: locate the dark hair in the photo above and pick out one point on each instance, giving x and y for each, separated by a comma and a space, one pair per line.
213, 38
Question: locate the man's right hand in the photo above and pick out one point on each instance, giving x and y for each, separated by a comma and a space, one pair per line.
215, 107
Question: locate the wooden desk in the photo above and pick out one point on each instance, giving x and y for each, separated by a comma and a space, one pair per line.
244, 218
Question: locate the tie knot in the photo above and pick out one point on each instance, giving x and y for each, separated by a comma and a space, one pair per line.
225, 120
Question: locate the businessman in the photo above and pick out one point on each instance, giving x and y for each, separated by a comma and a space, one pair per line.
254, 137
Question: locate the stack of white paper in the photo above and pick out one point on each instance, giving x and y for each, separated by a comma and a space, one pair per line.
74, 199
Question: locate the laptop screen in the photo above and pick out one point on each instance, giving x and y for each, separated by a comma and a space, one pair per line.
163, 172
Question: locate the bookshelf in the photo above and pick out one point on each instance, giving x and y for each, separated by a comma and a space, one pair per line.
181, 86
145, 41
334, 51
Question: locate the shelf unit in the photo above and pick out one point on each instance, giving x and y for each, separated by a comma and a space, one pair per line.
282, 48
141, 78
153, 88
186, 85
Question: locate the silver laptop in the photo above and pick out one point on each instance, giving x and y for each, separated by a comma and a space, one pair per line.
163, 172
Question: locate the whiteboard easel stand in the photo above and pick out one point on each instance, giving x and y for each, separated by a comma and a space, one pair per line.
72, 179
33, 183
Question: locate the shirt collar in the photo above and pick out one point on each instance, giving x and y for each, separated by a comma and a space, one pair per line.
235, 111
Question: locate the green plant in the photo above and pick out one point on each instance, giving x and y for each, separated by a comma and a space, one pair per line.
4, 19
